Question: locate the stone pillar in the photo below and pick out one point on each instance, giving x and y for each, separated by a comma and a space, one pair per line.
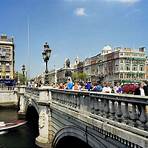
44, 92
45, 133
21, 112
45, 129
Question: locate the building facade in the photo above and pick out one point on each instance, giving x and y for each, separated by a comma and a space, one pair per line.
119, 65
52, 75
125, 65
7, 59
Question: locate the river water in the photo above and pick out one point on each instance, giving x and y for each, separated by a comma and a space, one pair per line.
21, 137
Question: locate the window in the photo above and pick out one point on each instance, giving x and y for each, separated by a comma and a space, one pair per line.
121, 75
117, 67
121, 60
127, 61
127, 67
128, 75
121, 67
7, 68
141, 68
7, 77
133, 75
121, 54
134, 68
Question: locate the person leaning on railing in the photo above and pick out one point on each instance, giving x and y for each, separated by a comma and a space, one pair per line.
69, 83
142, 90
106, 87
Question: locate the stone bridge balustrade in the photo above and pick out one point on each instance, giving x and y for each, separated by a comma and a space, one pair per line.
129, 109
107, 117
33, 91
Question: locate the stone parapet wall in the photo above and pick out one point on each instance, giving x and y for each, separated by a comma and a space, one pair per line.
8, 98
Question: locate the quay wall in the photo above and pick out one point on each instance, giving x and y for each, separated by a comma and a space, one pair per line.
8, 98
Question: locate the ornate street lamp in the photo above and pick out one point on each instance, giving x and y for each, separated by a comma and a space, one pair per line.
23, 70
46, 55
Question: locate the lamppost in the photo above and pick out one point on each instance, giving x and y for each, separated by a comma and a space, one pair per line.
23, 70
46, 55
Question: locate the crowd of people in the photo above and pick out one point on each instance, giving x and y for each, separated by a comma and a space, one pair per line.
105, 87
140, 88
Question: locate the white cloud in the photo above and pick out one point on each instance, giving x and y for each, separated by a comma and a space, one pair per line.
80, 12
124, 1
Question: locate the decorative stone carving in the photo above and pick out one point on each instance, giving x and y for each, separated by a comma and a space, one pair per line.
42, 119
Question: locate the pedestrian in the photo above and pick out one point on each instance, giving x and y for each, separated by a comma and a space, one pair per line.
141, 90
88, 86
69, 83
97, 87
106, 88
61, 86
118, 88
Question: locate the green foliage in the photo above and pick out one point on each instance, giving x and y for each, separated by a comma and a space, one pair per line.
79, 76
19, 76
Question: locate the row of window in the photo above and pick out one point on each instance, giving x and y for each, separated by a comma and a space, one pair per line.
134, 68
132, 54
4, 77
5, 49
133, 61
134, 76
7, 68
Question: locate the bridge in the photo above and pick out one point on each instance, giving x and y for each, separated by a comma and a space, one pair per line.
84, 119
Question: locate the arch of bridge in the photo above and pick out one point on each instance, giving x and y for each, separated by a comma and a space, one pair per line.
76, 132
31, 102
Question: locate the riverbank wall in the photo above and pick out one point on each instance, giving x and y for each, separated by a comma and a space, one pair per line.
8, 98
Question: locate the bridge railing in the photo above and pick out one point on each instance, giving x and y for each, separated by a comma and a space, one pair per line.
33, 91
127, 109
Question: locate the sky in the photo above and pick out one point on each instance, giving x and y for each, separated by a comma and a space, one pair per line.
72, 28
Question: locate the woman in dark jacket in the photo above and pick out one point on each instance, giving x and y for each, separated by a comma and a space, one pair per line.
142, 90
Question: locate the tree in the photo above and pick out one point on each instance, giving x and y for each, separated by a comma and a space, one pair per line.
79, 76
19, 76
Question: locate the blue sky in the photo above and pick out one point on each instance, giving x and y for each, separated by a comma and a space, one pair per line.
72, 28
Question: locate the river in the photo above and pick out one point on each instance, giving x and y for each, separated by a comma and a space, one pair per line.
21, 137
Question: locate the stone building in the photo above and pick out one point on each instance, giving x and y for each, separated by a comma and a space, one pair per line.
52, 75
78, 65
7, 60
123, 65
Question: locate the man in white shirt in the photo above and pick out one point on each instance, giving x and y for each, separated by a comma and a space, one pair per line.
106, 88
